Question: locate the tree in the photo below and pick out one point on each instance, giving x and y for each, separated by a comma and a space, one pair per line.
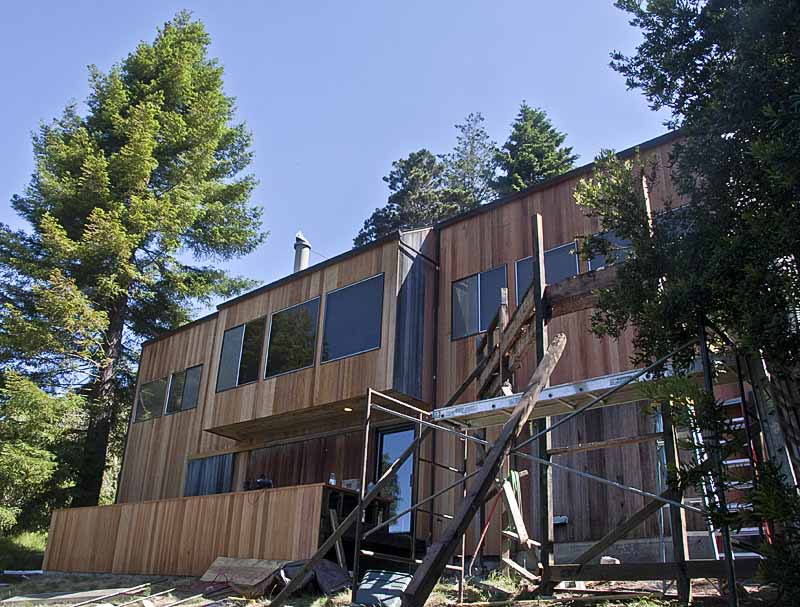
31, 425
533, 152
729, 71
419, 197
470, 167
123, 203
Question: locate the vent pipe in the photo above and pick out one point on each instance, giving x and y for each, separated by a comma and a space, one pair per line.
302, 249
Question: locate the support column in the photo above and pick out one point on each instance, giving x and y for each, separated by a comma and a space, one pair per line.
677, 516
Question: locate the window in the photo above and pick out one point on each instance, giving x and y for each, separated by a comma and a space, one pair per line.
392, 445
620, 249
559, 263
240, 358
209, 475
292, 338
151, 399
353, 317
184, 389
476, 300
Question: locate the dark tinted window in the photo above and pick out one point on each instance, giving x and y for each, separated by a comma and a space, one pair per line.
465, 306
228, 372
191, 389
209, 475
184, 389
151, 399
491, 282
353, 319
293, 338
250, 361
620, 249
176, 384
560, 263
524, 276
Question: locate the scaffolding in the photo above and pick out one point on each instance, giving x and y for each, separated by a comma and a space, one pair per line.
498, 356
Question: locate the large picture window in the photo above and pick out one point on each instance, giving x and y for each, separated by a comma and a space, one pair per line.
353, 316
150, 403
620, 249
292, 338
209, 475
475, 301
184, 389
240, 358
559, 263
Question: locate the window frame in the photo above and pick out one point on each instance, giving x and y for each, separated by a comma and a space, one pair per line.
518, 293
217, 389
136, 419
183, 393
619, 261
316, 337
325, 319
478, 289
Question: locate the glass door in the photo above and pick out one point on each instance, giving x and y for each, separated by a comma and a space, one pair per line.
391, 445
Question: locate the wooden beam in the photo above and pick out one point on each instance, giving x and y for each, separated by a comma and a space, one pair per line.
606, 444
442, 551
577, 292
516, 514
520, 570
705, 568
339, 546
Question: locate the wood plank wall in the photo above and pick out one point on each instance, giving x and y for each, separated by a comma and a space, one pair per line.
500, 236
183, 536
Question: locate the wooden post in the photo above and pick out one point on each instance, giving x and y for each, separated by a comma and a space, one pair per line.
361, 492
544, 487
677, 516
441, 552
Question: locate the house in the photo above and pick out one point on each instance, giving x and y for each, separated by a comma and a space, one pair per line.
270, 391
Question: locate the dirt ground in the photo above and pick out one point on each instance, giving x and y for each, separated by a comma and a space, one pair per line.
495, 591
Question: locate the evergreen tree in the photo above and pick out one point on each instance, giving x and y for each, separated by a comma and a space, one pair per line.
419, 197
121, 199
470, 167
533, 152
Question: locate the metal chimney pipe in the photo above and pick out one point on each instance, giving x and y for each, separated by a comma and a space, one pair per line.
302, 249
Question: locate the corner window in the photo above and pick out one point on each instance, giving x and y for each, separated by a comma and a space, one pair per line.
209, 475
559, 263
524, 274
353, 316
620, 250
184, 389
475, 301
151, 399
240, 358
292, 338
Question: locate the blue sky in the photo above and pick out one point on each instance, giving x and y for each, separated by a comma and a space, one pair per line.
335, 91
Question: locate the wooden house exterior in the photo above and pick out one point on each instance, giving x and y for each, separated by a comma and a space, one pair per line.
239, 402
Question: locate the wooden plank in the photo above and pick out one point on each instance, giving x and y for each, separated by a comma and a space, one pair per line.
443, 550
340, 558
516, 514
698, 568
520, 570
606, 444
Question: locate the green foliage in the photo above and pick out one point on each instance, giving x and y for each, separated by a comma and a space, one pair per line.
122, 203
22, 551
419, 197
31, 424
470, 167
533, 152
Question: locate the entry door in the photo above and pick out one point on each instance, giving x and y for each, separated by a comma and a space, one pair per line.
391, 445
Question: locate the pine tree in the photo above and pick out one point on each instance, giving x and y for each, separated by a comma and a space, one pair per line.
120, 202
533, 152
419, 197
470, 167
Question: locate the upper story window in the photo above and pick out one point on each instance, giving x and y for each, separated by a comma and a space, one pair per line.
559, 263
353, 316
620, 249
150, 403
184, 389
240, 358
475, 301
293, 338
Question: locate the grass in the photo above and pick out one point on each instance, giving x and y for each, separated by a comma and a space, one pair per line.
22, 551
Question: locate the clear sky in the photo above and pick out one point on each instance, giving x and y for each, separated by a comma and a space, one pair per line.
334, 91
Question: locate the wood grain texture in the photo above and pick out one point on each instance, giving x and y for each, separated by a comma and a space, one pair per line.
183, 536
